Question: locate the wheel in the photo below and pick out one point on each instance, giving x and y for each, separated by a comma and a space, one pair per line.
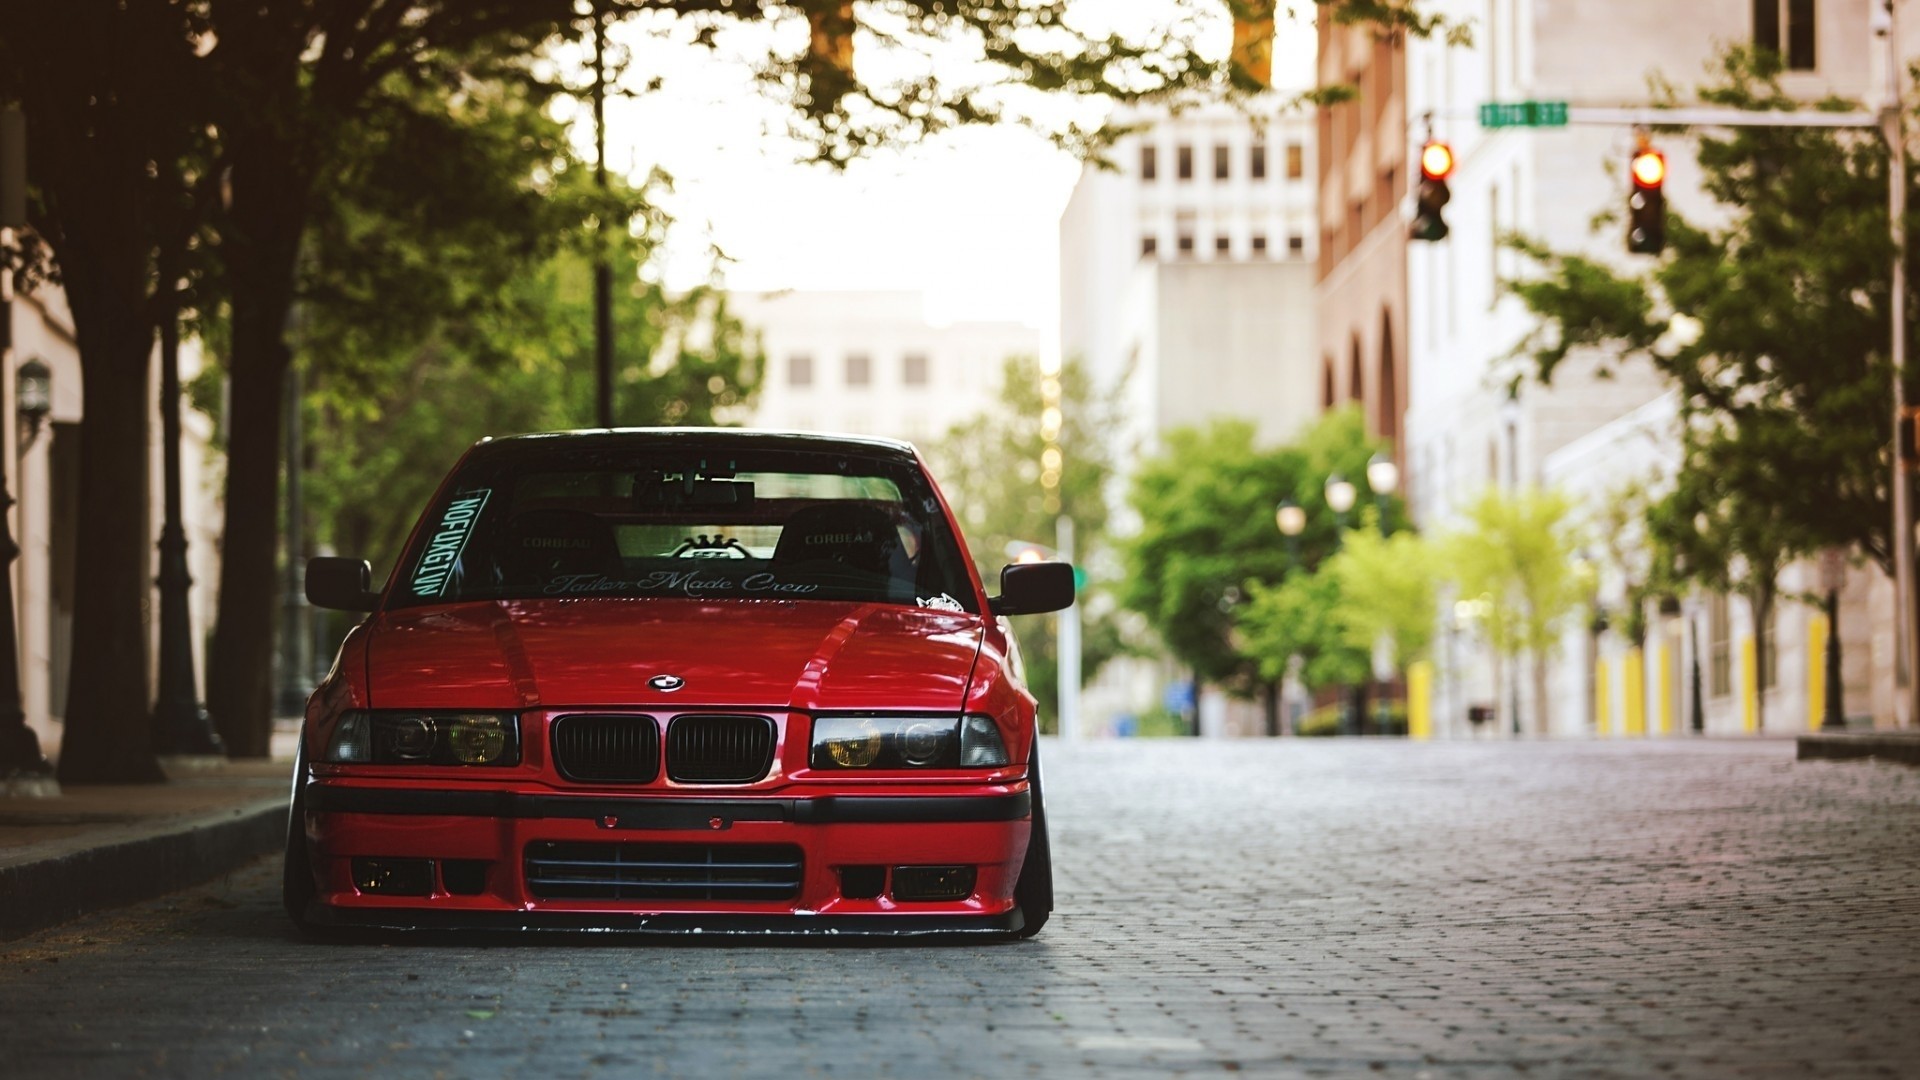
297, 888
1034, 890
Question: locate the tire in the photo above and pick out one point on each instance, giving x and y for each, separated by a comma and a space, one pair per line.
1033, 892
297, 889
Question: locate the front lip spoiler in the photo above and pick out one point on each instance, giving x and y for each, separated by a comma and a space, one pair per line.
755, 926
643, 812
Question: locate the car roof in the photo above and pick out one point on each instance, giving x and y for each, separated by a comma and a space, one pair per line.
722, 440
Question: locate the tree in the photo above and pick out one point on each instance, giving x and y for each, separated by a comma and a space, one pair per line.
1516, 552
1386, 588
117, 93
1773, 328
98, 82
1207, 539
989, 468
1303, 617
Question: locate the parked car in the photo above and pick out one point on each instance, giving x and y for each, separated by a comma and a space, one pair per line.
677, 680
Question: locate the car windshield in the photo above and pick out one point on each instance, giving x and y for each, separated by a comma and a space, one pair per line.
774, 525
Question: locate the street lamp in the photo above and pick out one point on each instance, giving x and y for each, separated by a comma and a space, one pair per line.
1383, 476
1291, 518
33, 398
1340, 496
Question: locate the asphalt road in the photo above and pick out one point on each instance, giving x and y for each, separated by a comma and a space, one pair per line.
1301, 908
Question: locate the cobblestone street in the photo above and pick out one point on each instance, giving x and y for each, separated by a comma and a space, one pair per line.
1295, 908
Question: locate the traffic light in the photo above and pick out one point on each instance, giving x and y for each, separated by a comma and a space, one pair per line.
1647, 205
1436, 164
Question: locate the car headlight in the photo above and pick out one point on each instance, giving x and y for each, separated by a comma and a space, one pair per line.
409, 737
907, 742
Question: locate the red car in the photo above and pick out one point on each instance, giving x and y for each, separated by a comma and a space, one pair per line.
677, 681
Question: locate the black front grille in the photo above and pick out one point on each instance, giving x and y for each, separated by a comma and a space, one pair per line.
612, 871
719, 749
622, 749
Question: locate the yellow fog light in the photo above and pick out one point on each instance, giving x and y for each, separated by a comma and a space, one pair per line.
476, 740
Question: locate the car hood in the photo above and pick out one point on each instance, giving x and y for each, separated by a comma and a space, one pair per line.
804, 654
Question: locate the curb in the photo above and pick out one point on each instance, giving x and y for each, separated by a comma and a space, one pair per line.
172, 855
1900, 747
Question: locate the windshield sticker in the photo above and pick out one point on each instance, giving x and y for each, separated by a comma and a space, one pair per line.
449, 540
941, 602
682, 582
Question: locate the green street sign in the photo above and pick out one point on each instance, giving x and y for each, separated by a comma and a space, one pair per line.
1498, 114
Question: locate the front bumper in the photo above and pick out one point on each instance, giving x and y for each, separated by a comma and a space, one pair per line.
984, 827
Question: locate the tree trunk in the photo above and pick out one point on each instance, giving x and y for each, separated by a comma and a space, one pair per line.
106, 738
1273, 709
240, 666
1541, 724
1762, 613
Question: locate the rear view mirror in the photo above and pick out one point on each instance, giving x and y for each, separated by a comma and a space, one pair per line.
341, 584
1032, 588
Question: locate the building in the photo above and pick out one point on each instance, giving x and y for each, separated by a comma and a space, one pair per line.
1185, 270
43, 474
1187, 285
1598, 427
1360, 280
870, 363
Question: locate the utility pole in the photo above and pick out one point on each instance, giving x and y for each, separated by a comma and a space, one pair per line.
1069, 640
1893, 125
23, 768
602, 272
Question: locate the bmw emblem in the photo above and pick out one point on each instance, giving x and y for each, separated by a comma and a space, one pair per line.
666, 683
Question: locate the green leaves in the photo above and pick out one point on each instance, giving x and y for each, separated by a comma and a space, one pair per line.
1516, 552
1785, 395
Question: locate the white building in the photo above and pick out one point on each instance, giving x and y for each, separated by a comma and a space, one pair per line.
870, 363
1187, 279
1582, 433
1186, 268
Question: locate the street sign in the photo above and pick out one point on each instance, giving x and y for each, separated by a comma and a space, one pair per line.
1500, 114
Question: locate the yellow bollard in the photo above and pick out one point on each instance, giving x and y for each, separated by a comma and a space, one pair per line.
1749, 686
1420, 700
1816, 671
1635, 690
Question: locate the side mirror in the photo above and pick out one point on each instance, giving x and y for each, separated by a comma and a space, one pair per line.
1033, 588
341, 584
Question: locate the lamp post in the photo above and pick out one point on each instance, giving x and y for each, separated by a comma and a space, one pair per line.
1383, 476
1340, 494
1291, 519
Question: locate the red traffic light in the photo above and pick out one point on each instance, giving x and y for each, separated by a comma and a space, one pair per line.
1649, 168
1436, 160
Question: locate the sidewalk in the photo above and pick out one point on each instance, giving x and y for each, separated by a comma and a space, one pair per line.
1900, 746
98, 846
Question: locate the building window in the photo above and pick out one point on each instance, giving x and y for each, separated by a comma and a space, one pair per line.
1183, 162
1259, 244
1149, 245
1186, 244
859, 369
1222, 162
1786, 27
1222, 245
913, 369
1149, 164
1719, 647
800, 370
1257, 162
1296, 244
1296, 161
